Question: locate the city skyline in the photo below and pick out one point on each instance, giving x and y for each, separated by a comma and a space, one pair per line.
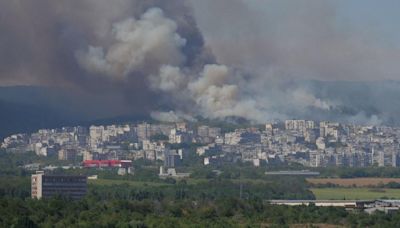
199, 113
304, 142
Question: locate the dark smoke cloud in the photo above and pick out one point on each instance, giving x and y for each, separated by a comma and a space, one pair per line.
284, 44
256, 61
40, 40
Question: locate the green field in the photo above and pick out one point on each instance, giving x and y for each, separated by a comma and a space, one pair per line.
129, 182
189, 181
355, 193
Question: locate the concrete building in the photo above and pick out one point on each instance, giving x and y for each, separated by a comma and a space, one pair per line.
67, 154
96, 136
82, 136
171, 172
177, 136
242, 137
320, 143
211, 149
47, 186
172, 159
182, 126
202, 131
214, 132
143, 131
299, 125
395, 159
381, 159
206, 131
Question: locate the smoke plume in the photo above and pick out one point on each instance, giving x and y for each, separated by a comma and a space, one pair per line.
140, 45
260, 60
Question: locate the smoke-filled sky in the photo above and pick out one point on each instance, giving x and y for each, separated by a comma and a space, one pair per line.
324, 40
177, 59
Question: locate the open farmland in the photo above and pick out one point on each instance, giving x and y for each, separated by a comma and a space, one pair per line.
355, 193
349, 182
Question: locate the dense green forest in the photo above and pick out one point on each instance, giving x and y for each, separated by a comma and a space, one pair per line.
232, 196
93, 211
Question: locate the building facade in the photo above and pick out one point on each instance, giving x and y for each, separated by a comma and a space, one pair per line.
47, 186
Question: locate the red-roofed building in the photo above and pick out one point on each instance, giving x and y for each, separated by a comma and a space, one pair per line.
107, 163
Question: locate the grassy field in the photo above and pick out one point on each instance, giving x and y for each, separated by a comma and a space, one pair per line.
315, 225
348, 182
129, 182
189, 181
354, 193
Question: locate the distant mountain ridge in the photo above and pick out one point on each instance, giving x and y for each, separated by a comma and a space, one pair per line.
29, 108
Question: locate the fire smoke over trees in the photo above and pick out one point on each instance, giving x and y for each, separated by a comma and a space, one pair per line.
216, 58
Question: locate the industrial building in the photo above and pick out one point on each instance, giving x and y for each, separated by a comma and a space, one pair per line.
107, 163
47, 186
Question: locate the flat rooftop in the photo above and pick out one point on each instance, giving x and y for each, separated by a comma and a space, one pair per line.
294, 173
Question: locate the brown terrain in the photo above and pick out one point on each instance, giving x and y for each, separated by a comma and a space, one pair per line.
317, 225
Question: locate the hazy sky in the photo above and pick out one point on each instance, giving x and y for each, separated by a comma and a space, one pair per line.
325, 40
381, 17
216, 58
369, 16
267, 34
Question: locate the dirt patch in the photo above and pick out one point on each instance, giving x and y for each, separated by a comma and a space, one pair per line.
318, 225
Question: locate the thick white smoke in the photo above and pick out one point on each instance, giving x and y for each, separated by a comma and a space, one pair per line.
153, 42
217, 98
170, 79
306, 99
143, 44
257, 79
172, 117
215, 58
151, 45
